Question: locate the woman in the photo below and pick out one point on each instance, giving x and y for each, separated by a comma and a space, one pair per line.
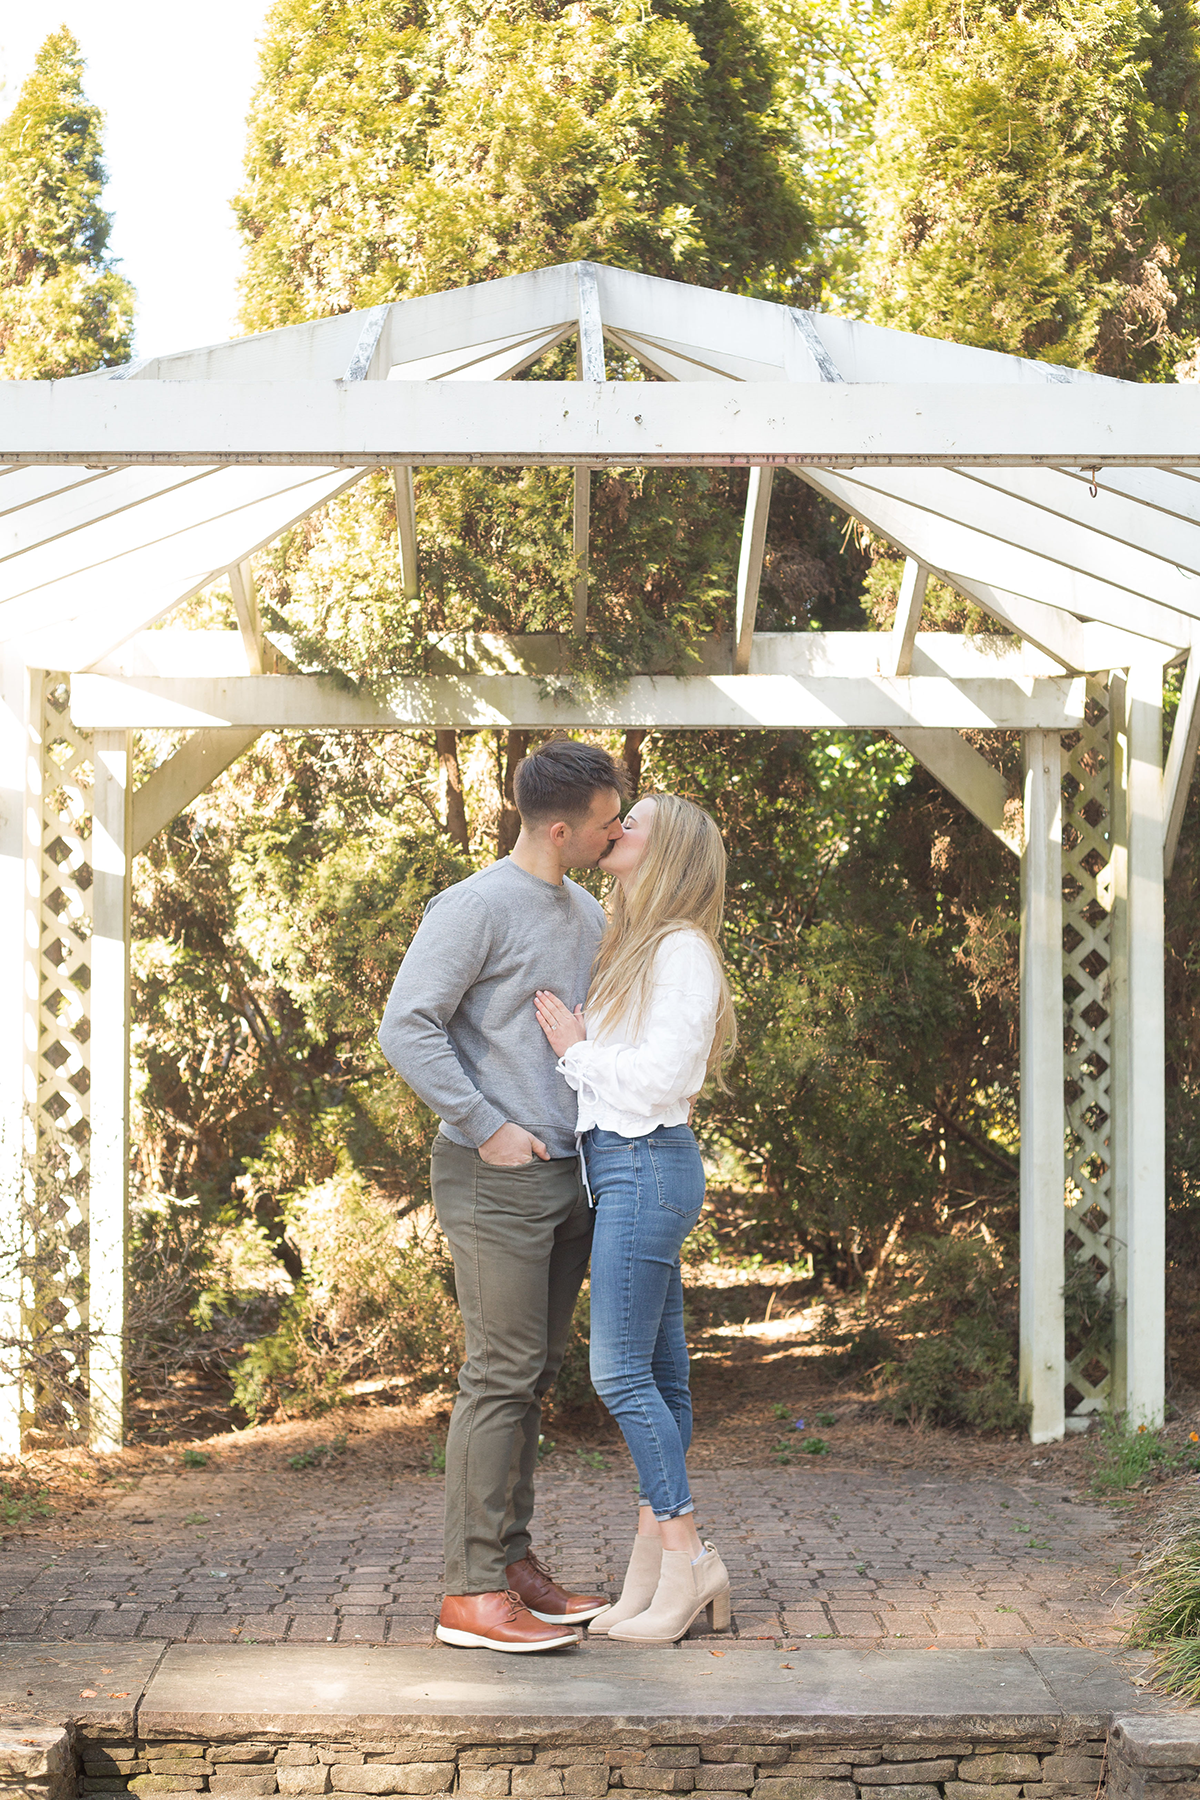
659, 1017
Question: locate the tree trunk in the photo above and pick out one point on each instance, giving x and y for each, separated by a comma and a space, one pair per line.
631, 756
452, 789
517, 743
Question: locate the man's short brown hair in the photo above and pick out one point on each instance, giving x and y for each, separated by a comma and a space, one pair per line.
559, 779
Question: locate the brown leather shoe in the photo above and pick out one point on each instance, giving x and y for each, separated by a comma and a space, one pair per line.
545, 1599
499, 1621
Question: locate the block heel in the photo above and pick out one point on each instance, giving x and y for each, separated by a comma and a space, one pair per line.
685, 1590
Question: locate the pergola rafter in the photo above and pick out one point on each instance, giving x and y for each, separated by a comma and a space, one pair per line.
1064, 505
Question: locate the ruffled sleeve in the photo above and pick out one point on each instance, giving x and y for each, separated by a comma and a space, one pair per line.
666, 1066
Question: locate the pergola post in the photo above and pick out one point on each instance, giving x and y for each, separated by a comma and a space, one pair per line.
1139, 1044
108, 1183
56, 1062
1041, 1204
1090, 850
14, 713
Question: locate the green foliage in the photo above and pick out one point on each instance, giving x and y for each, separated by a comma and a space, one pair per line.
1167, 1618
1170, 1603
1129, 1455
871, 936
854, 1352
1033, 187
64, 308
1178, 1670
397, 150
827, 51
372, 1304
320, 1455
195, 1459
309, 863
573, 1390
959, 1299
21, 1504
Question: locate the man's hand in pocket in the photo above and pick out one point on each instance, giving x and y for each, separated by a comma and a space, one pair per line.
512, 1147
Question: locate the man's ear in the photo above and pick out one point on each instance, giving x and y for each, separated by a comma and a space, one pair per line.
559, 833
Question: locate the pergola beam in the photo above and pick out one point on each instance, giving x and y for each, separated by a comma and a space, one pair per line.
908, 616
1181, 759
406, 530
1078, 644
943, 543
182, 778
521, 703
167, 651
750, 562
701, 424
969, 501
960, 769
245, 604
589, 366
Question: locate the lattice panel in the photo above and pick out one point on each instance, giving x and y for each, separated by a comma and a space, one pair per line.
1087, 958
60, 875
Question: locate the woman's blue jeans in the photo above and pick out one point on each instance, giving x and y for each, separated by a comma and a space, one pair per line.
648, 1193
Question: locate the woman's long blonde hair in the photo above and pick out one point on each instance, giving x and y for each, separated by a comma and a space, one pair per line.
679, 885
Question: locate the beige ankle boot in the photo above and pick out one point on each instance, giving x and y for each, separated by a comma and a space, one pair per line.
685, 1590
641, 1579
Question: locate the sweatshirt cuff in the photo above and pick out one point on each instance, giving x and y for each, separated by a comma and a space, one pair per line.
479, 1122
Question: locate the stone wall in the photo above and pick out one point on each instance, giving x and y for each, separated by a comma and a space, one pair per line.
1032, 1769
38, 1763
1153, 1758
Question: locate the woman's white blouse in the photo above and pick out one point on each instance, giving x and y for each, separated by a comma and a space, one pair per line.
633, 1084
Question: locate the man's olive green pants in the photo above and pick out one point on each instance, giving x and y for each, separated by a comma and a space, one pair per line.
520, 1239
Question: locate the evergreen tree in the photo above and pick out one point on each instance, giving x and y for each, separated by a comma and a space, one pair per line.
828, 55
1034, 181
398, 148
64, 308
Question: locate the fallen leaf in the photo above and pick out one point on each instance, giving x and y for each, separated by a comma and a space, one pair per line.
785, 1665
124, 1696
106, 1671
716, 1653
87, 1693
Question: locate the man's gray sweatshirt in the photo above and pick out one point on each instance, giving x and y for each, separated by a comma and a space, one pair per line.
459, 1024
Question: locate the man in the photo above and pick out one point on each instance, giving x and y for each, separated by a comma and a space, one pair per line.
460, 1028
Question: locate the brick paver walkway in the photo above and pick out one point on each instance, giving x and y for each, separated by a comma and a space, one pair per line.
820, 1552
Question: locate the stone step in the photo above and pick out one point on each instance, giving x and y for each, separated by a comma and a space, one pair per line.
827, 1721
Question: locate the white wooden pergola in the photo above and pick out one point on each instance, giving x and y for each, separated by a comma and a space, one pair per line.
1064, 505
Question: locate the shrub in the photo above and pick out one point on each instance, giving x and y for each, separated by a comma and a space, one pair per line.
573, 1388
959, 1301
376, 1301
854, 1352
1168, 1615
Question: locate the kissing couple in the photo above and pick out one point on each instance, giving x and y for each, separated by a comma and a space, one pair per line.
561, 1046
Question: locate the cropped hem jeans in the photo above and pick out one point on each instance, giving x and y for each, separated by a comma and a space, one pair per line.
648, 1193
